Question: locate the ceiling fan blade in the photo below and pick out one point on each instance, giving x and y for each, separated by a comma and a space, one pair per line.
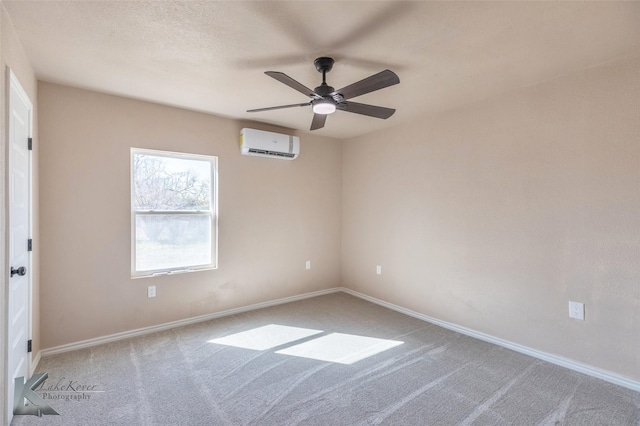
283, 78
278, 107
365, 109
375, 82
318, 121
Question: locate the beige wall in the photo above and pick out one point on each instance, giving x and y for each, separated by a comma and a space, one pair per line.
494, 216
13, 56
273, 216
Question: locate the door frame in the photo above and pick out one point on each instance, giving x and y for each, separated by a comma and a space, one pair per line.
13, 84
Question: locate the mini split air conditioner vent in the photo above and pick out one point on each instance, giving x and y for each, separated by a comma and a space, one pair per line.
272, 153
267, 144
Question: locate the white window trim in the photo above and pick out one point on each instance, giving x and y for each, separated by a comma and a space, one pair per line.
213, 212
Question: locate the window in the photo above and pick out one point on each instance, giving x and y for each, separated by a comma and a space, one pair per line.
173, 212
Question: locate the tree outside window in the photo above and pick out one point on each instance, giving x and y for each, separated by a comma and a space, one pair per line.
174, 212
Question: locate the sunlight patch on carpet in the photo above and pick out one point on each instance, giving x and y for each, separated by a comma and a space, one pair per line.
266, 337
340, 348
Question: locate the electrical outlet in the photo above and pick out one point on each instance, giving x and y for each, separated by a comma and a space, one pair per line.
308, 265
576, 310
378, 269
151, 291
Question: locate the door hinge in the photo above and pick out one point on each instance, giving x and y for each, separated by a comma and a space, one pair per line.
29, 244
30, 144
29, 345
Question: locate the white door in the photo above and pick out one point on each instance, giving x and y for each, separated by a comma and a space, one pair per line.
19, 232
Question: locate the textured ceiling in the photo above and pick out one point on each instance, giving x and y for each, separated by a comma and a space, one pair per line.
210, 56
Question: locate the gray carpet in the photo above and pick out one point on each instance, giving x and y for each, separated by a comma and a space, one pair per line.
414, 373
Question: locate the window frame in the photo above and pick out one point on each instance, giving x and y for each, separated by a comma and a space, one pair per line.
213, 212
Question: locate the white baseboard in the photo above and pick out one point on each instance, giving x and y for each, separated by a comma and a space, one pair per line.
554, 359
169, 325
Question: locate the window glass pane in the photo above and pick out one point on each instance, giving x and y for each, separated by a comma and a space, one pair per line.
170, 183
165, 241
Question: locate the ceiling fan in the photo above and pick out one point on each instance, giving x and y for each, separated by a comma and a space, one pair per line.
326, 100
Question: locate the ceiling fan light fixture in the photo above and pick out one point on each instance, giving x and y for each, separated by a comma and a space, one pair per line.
324, 107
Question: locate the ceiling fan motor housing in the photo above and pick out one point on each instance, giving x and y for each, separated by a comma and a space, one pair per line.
324, 90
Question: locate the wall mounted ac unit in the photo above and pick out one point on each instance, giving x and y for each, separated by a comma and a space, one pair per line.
268, 144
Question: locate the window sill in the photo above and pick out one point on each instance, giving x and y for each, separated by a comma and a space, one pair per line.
173, 272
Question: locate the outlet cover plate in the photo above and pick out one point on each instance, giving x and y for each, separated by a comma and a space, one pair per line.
151, 291
576, 310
